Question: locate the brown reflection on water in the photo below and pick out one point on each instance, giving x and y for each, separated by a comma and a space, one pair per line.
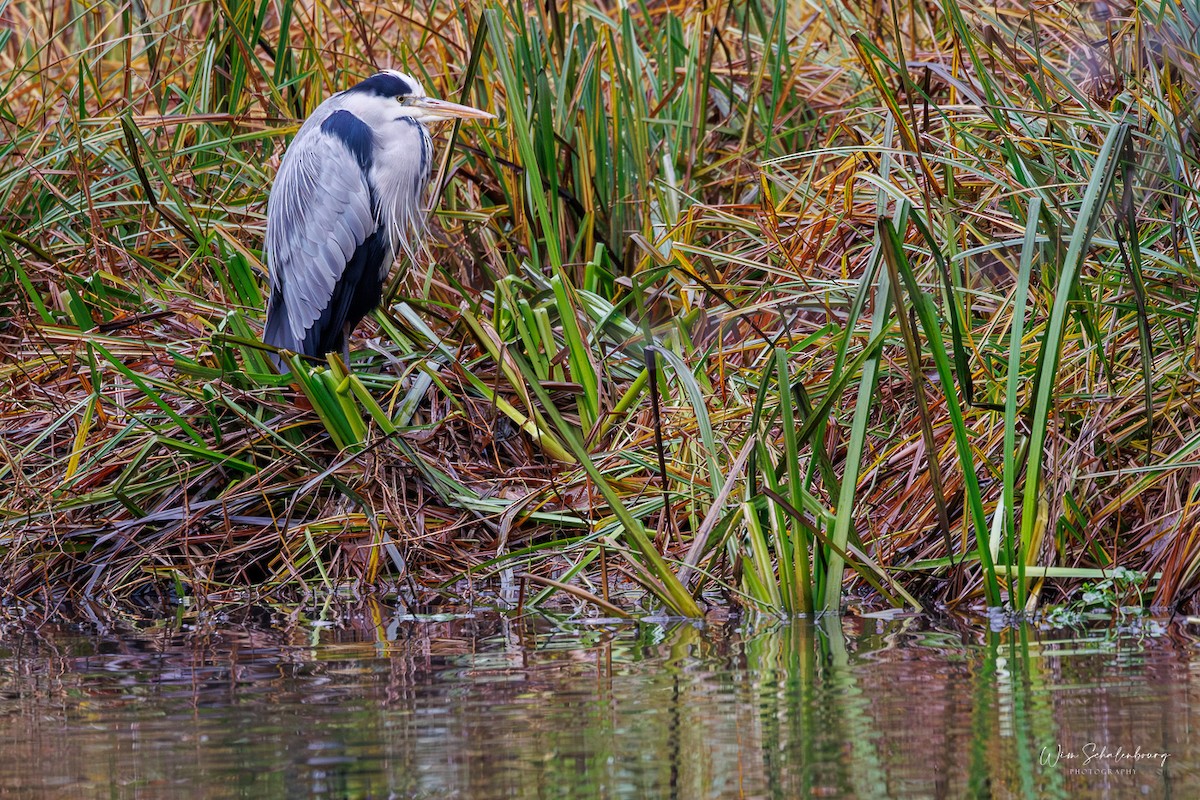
379, 705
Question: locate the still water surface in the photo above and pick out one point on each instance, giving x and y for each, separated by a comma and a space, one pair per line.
386, 706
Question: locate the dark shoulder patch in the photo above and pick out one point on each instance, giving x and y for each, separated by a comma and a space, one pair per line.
354, 133
384, 84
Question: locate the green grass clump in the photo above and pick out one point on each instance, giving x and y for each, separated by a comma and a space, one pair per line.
745, 305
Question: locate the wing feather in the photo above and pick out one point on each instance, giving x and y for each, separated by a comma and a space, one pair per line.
318, 214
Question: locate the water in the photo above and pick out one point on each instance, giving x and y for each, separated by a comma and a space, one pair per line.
494, 707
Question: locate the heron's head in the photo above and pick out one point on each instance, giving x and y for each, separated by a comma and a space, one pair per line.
390, 95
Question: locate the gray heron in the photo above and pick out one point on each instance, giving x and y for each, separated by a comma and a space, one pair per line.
348, 198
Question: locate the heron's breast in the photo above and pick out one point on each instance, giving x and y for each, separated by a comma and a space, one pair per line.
401, 171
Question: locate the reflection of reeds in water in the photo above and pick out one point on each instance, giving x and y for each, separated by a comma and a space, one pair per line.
494, 706
986, 396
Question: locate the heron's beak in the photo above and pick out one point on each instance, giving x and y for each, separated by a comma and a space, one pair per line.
434, 110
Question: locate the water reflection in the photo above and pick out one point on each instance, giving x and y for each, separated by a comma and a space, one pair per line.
384, 706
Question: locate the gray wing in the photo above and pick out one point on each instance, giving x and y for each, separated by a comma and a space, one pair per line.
318, 213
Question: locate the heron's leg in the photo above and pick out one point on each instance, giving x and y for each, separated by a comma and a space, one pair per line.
346, 344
